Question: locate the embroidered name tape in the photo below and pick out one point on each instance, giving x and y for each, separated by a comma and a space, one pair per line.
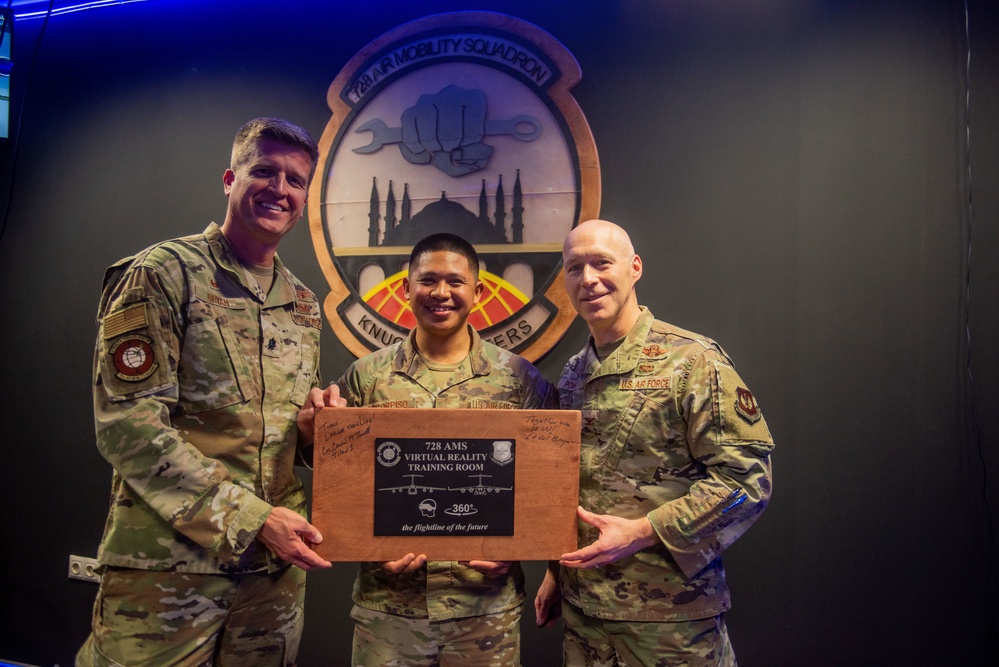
645, 383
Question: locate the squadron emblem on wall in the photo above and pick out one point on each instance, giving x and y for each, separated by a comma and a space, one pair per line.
458, 123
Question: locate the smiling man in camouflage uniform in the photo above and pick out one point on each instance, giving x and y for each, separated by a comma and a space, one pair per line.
675, 466
207, 348
412, 612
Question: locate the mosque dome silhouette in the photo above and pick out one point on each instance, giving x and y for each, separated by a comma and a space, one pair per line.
444, 215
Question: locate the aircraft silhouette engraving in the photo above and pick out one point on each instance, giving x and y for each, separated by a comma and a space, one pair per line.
480, 489
413, 488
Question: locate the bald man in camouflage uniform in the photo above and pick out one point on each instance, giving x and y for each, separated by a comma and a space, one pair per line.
207, 348
412, 612
674, 468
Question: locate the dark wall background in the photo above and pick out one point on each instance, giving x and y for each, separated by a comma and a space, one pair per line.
795, 174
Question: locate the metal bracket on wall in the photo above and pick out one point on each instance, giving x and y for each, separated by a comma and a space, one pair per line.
84, 568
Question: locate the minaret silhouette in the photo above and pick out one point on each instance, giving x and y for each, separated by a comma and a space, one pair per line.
483, 203
373, 216
500, 208
390, 209
518, 211
406, 204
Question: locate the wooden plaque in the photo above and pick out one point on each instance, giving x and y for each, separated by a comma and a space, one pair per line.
451, 484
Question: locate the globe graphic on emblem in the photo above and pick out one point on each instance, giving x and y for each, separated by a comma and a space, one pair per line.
134, 357
500, 300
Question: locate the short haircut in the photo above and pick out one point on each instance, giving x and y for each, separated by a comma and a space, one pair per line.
444, 242
277, 129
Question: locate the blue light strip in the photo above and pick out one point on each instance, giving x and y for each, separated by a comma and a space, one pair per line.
68, 9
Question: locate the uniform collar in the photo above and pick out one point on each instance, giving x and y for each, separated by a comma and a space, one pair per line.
625, 358
408, 360
282, 291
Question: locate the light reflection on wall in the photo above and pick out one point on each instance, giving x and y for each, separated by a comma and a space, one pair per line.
33, 9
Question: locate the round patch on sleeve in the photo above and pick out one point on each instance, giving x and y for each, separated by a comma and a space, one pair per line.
133, 357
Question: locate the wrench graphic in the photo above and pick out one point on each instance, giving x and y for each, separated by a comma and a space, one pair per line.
525, 128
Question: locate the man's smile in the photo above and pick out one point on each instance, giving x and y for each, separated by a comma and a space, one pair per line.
271, 206
439, 308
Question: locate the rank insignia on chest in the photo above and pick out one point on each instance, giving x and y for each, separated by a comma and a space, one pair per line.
746, 407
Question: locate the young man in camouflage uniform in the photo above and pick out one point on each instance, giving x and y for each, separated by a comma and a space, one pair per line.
207, 348
675, 466
413, 612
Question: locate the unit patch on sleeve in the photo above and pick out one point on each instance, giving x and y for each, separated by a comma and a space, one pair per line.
133, 356
746, 407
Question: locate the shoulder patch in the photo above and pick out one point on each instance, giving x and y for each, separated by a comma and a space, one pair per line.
125, 320
746, 407
133, 358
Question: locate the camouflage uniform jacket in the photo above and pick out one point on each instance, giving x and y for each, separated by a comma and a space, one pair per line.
198, 377
669, 432
397, 377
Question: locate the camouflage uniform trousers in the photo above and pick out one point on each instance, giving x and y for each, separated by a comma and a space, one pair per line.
596, 642
388, 640
145, 617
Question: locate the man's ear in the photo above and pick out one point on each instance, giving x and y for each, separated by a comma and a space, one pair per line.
227, 179
636, 267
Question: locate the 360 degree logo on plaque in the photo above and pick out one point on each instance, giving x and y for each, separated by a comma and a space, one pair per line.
458, 123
